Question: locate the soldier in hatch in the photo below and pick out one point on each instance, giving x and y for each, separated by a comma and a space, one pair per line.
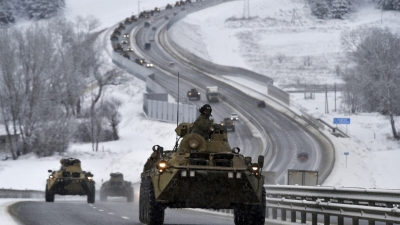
203, 123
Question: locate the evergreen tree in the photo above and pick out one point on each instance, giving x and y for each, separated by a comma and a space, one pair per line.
339, 8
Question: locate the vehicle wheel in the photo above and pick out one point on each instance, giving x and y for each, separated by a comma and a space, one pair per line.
198, 98
241, 214
233, 129
155, 211
129, 197
91, 195
257, 213
49, 196
142, 202
103, 196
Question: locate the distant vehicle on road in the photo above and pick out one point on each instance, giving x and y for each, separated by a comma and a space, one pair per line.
302, 156
234, 116
228, 124
147, 46
193, 93
261, 104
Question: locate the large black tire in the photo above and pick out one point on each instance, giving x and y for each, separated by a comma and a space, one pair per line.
49, 196
241, 214
91, 195
153, 212
103, 196
142, 201
129, 197
258, 211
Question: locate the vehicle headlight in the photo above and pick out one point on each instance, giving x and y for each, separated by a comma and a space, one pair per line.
222, 124
190, 93
254, 168
90, 178
162, 165
51, 177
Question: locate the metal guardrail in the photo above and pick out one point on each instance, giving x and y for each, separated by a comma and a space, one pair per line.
373, 205
11, 193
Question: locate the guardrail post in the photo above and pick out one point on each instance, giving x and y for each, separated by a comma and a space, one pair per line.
283, 214
303, 217
327, 220
355, 221
293, 216
274, 213
314, 218
340, 220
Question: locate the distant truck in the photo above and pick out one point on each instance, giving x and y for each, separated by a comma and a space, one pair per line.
302, 177
212, 93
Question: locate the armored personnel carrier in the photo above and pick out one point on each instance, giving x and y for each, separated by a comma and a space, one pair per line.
228, 124
116, 186
202, 173
70, 180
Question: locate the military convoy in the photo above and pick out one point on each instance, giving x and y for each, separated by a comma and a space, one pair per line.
70, 180
200, 173
116, 186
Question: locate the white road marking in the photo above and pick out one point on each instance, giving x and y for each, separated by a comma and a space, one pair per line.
124, 217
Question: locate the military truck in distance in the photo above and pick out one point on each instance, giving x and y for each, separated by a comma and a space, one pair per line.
200, 173
126, 55
212, 93
261, 104
121, 26
228, 124
128, 20
70, 180
133, 18
114, 37
147, 46
116, 187
169, 6
118, 48
193, 93
146, 24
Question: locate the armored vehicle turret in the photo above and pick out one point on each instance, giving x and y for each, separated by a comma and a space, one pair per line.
115, 187
202, 173
70, 179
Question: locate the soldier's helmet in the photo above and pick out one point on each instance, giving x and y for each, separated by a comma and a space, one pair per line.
205, 110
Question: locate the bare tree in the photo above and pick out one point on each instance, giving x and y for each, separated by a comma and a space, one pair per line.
10, 89
110, 111
375, 54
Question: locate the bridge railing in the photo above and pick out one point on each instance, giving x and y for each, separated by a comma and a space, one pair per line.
372, 205
11, 193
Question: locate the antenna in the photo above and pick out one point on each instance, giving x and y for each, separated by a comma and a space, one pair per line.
177, 113
177, 119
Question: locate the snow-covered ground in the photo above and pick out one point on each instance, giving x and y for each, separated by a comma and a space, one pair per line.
256, 45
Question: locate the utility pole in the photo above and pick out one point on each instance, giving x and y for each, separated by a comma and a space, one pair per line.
138, 8
246, 9
326, 100
335, 97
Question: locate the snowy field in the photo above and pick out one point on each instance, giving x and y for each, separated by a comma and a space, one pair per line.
253, 45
